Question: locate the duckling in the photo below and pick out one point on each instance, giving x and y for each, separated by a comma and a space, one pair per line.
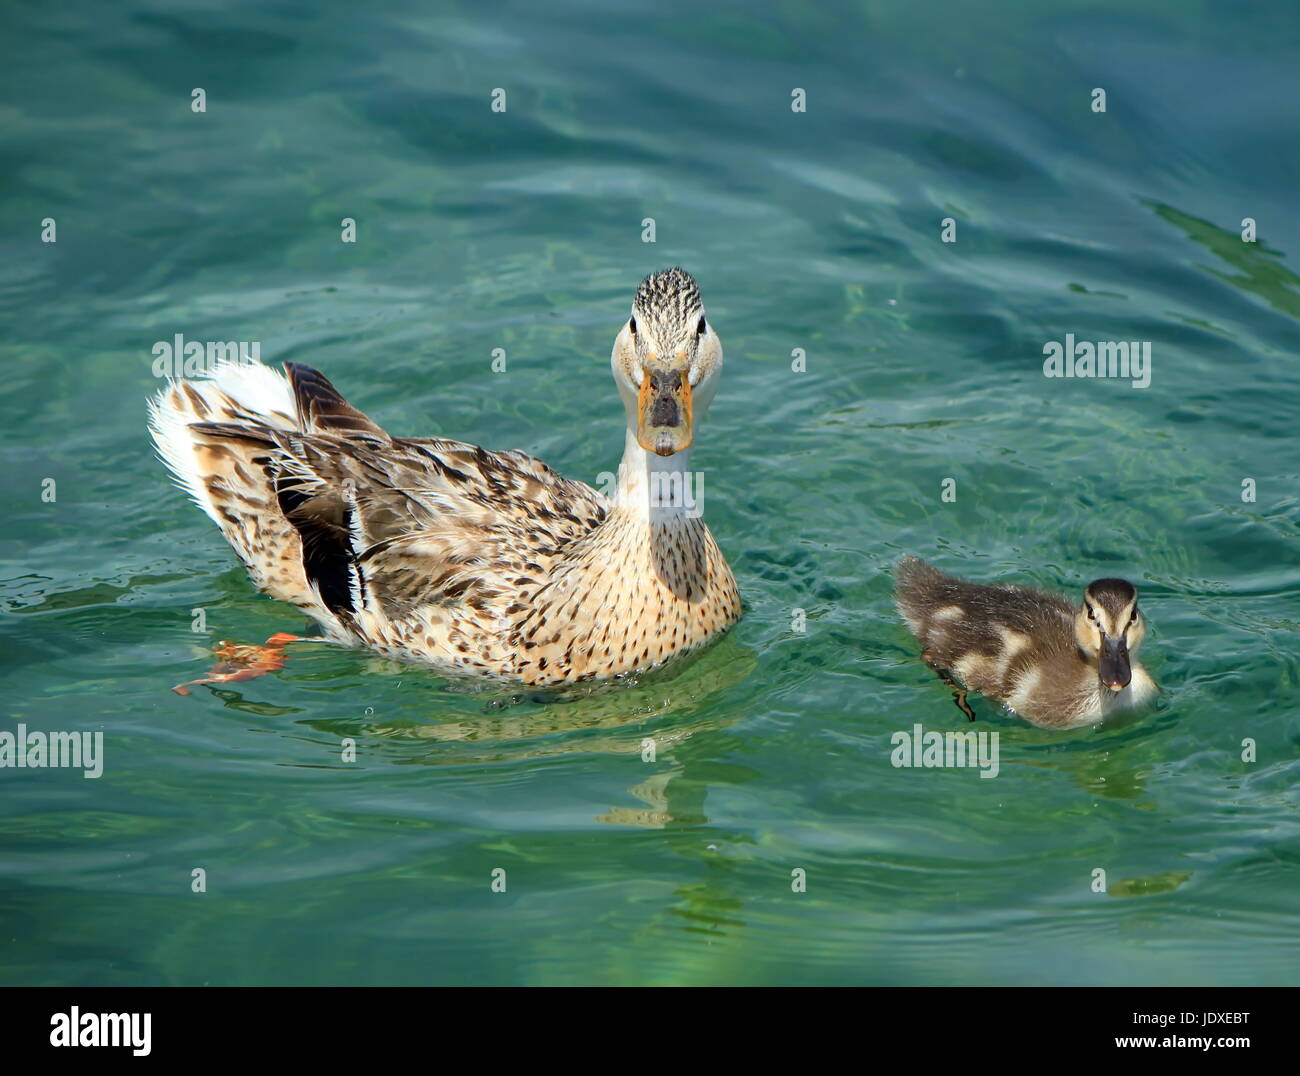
1056, 666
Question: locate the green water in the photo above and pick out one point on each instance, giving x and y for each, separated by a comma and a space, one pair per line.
522, 230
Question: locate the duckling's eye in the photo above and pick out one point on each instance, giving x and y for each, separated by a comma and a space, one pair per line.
631, 325
701, 328
1133, 619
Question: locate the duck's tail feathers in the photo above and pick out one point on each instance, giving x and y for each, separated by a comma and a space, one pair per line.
914, 584
241, 394
220, 440
321, 407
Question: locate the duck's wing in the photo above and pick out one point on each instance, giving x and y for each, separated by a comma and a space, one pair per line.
389, 526
952, 617
317, 497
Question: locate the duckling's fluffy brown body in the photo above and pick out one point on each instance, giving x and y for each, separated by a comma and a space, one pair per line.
1014, 644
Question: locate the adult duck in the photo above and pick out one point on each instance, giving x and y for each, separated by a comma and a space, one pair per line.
477, 562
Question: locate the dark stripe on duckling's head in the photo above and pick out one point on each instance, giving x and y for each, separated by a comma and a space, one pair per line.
1111, 595
1104, 627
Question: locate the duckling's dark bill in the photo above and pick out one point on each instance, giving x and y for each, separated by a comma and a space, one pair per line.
1113, 668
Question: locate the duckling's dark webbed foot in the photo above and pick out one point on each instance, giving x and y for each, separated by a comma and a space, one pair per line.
958, 692
959, 698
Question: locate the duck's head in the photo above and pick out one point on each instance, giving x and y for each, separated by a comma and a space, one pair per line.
1109, 628
667, 360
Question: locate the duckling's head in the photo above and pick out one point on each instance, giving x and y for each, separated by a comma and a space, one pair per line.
667, 361
1109, 628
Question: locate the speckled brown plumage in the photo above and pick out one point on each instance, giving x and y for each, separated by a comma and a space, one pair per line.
479, 562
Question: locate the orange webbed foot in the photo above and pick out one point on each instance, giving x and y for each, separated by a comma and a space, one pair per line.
244, 662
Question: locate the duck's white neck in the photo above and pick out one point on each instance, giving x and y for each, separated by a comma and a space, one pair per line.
657, 489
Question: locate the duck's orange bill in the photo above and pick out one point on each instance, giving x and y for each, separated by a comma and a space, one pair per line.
664, 412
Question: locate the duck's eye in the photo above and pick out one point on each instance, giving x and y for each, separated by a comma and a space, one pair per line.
1133, 619
702, 327
631, 325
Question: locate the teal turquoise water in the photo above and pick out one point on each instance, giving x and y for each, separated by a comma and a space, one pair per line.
523, 230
